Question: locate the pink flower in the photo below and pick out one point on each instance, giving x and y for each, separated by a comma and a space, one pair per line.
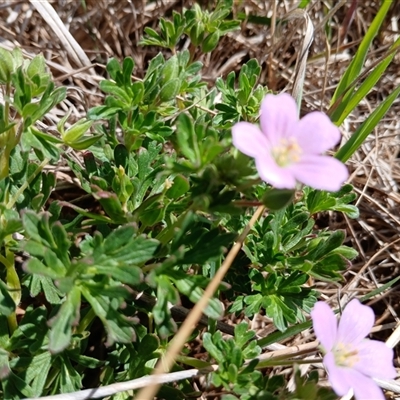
350, 359
288, 150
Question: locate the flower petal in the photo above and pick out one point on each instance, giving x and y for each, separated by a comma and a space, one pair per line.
315, 133
249, 139
364, 387
355, 324
320, 172
344, 379
279, 117
376, 360
270, 172
336, 376
324, 324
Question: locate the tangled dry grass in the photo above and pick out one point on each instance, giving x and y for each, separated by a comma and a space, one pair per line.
112, 28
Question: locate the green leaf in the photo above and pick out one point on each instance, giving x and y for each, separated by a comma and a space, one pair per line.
101, 112
180, 186
113, 68
85, 142
187, 140
31, 139
215, 352
359, 136
69, 378
189, 286
4, 363
354, 69
16, 388
37, 227
276, 199
6, 65
210, 42
326, 246
124, 246
37, 372
127, 69
7, 304
37, 66
243, 334
34, 266
61, 325
210, 246
351, 100
76, 131
119, 328
38, 283
112, 206
112, 88
170, 90
170, 70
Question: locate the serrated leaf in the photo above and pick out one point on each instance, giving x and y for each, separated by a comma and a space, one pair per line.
37, 372
118, 327
70, 380
61, 325
208, 343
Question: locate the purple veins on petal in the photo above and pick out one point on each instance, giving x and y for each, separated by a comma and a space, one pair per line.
355, 323
278, 118
375, 359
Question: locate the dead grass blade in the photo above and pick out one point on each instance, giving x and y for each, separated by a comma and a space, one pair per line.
50, 16
301, 63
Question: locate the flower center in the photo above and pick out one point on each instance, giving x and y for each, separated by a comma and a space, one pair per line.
287, 152
345, 355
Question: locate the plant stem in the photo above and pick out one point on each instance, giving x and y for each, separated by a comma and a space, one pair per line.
13, 285
86, 321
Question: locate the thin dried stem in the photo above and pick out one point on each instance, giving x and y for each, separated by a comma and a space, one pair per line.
190, 322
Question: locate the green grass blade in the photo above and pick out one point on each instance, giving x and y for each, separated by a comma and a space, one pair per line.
351, 100
278, 336
358, 137
303, 3
357, 63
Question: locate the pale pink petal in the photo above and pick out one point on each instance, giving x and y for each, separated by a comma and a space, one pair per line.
272, 173
336, 375
355, 323
364, 387
320, 172
279, 117
343, 379
324, 324
315, 133
375, 360
249, 139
